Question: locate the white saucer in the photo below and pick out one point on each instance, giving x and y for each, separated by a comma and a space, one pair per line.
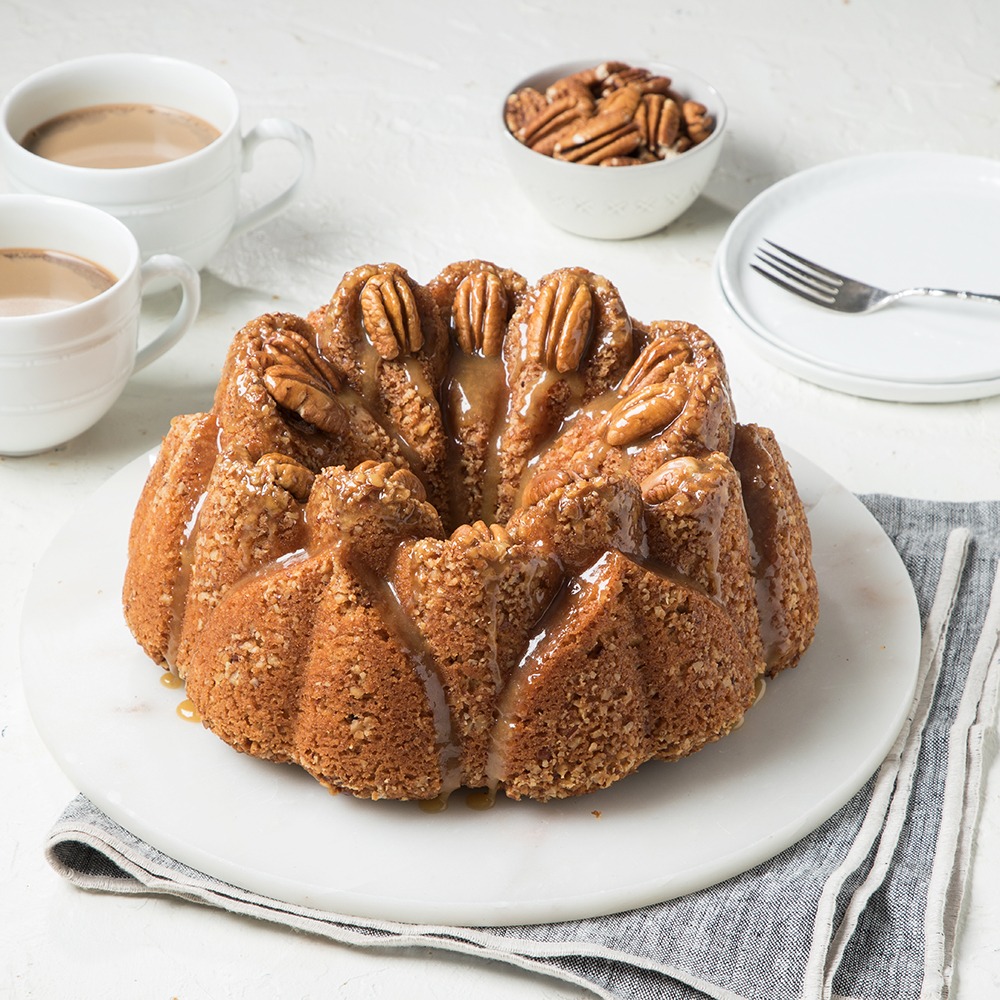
894, 220
817, 735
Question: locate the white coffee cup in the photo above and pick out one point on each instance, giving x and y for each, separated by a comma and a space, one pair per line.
61, 371
188, 206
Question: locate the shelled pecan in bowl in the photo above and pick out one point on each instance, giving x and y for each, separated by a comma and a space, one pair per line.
613, 115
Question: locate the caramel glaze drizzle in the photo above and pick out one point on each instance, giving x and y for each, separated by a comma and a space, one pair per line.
775, 639
179, 595
415, 648
187, 545
765, 560
578, 590
474, 398
368, 398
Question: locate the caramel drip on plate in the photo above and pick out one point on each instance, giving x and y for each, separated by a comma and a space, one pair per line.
187, 711
481, 800
759, 689
438, 804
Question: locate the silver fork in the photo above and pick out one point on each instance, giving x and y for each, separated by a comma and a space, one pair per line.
835, 291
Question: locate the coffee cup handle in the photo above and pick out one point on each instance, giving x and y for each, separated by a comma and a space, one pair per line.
275, 128
167, 265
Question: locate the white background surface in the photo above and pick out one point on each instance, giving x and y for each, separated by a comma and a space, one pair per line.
401, 99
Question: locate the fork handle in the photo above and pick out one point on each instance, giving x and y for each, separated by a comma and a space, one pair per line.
950, 293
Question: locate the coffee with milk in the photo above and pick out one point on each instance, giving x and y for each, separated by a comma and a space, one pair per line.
115, 136
34, 281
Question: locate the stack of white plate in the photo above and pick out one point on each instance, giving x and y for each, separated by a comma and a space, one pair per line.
894, 220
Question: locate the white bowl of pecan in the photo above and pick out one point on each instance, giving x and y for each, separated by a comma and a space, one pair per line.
613, 150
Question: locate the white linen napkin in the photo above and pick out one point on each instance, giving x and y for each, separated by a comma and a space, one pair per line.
864, 907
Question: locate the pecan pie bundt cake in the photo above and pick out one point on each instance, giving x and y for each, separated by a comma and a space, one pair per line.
475, 532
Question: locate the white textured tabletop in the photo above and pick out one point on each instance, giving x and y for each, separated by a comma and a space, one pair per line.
401, 100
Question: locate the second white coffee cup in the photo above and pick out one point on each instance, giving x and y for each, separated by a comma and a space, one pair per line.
62, 370
187, 206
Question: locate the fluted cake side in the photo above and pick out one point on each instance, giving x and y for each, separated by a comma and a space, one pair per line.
478, 532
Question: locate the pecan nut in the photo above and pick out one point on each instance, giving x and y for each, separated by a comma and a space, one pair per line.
546, 144
471, 536
296, 389
552, 117
623, 77
668, 479
522, 106
654, 85
606, 69
699, 123
393, 483
390, 317
657, 362
668, 127
643, 413
288, 474
647, 116
611, 115
560, 323
620, 161
575, 89
480, 313
597, 128
625, 100
620, 142
292, 349
545, 483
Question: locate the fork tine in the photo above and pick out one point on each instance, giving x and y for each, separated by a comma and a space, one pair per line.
810, 294
832, 275
797, 274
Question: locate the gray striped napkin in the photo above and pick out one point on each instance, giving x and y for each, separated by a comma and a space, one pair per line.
864, 907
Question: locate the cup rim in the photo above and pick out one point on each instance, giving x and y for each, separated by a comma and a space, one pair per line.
550, 74
81, 208
65, 67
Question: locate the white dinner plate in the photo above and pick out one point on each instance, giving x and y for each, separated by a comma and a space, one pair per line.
816, 736
894, 220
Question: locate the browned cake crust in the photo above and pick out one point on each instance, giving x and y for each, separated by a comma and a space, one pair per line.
158, 551
478, 533
477, 301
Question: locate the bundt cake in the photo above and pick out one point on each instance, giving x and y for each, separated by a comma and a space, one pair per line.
472, 533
